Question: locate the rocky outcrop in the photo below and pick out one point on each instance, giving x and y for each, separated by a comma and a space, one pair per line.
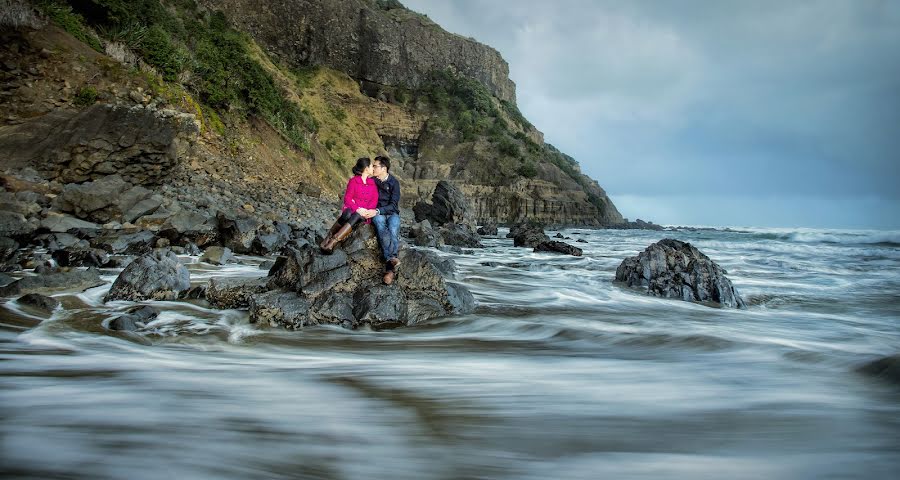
488, 230
345, 288
675, 269
558, 247
383, 46
527, 234
155, 276
448, 205
52, 281
140, 144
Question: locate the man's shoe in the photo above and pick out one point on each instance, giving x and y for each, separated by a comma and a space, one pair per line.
389, 277
394, 263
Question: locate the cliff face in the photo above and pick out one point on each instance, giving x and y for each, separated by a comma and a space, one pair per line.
384, 48
394, 47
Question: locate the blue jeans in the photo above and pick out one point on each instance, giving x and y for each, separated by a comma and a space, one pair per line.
388, 228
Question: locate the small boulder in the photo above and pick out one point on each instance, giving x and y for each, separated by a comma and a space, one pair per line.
237, 231
134, 318
234, 292
488, 229
886, 368
280, 308
38, 301
58, 223
675, 269
527, 234
460, 235
81, 257
423, 235
216, 255
138, 243
559, 247
8, 247
155, 276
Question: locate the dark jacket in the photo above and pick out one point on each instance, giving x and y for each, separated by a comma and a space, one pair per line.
388, 196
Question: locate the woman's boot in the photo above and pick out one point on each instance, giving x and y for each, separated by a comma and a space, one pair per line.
328, 244
333, 230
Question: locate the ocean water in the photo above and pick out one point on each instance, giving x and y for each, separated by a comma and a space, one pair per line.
559, 374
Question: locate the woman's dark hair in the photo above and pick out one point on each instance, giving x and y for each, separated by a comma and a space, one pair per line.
361, 164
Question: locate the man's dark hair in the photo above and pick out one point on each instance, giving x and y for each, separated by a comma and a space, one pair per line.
384, 161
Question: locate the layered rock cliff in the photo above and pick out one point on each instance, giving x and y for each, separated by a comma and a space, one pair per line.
263, 101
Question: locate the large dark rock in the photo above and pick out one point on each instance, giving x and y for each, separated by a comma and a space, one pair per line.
458, 235
345, 288
271, 238
448, 205
527, 234
674, 269
15, 225
81, 257
8, 247
54, 281
886, 368
190, 226
101, 201
117, 243
234, 292
60, 223
559, 247
237, 231
423, 235
155, 276
489, 229
38, 301
134, 318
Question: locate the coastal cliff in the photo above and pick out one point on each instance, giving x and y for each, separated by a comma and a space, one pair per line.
269, 104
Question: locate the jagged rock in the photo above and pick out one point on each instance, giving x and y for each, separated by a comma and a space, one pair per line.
234, 292
886, 368
38, 301
280, 308
59, 223
190, 226
101, 201
73, 280
216, 255
237, 232
558, 235
15, 225
271, 238
527, 235
345, 287
61, 241
674, 269
380, 305
489, 229
82, 257
155, 276
144, 207
460, 236
581, 240
139, 144
560, 247
425, 236
8, 247
134, 318
137, 243
448, 205
445, 265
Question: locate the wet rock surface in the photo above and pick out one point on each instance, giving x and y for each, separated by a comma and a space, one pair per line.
674, 269
53, 281
38, 301
527, 235
559, 247
135, 318
155, 276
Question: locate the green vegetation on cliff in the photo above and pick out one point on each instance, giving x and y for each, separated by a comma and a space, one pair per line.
196, 48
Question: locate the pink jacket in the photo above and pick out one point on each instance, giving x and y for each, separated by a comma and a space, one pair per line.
361, 194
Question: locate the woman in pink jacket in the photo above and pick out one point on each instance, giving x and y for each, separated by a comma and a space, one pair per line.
360, 201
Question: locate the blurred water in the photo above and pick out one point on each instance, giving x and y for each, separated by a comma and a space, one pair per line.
558, 374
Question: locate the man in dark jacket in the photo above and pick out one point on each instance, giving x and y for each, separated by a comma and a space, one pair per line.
387, 218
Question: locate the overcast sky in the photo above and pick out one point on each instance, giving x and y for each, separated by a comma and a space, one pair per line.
744, 113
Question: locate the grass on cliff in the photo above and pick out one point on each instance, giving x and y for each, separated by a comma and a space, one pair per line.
196, 48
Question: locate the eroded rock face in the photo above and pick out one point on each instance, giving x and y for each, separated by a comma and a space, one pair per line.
346, 288
155, 276
448, 205
386, 46
675, 269
142, 145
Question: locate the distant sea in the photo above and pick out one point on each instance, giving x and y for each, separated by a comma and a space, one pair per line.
559, 374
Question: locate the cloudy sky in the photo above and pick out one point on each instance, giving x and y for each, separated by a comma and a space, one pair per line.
744, 113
